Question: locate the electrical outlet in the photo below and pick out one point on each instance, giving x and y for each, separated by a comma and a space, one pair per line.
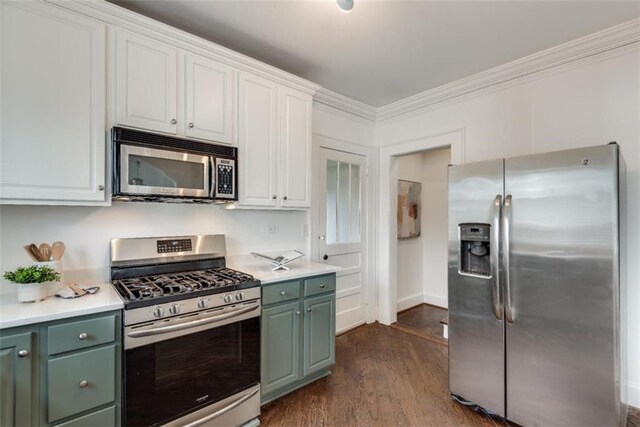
273, 229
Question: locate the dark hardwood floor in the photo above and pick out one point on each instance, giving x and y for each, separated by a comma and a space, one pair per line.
383, 377
423, 321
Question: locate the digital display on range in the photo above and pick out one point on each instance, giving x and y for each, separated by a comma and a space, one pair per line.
175, 245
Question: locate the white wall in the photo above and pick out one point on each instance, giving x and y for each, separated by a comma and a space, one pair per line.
422, 262
587, 102
410, 253
86, 231
434, 222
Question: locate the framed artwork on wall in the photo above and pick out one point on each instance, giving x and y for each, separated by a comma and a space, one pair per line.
409, 195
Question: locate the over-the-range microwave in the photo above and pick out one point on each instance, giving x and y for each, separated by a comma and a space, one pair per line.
160, 168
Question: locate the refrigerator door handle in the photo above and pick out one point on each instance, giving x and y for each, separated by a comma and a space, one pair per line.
506, 212
495, 256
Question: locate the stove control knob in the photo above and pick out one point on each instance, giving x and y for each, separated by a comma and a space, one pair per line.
202, 303
239, 296
228, 298
174, 309
158, 312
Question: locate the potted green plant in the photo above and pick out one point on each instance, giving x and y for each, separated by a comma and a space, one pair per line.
33, 282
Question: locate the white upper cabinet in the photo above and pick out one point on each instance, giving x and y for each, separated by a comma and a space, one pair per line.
208, 100
274, 144
52, 105
295, 148
146, 83
257, 141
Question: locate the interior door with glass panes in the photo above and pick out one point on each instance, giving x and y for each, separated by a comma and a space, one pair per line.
341, 237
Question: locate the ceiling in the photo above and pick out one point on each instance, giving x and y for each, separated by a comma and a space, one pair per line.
383, 51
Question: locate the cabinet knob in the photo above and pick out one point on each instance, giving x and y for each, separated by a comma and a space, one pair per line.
326, 257
83, 336
100, 187
191, 125
322, 285
23, 353
283, 293
83, 383
309, 309
298, 313
274, 197
284, 198
174, 121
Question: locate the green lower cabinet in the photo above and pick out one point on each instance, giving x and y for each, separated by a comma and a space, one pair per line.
280, 346
298, 334
16, 379
63, 373
319, 350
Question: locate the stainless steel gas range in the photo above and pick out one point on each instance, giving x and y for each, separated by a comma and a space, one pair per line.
191, 332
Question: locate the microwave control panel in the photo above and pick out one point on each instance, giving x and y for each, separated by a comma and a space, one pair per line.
225, 179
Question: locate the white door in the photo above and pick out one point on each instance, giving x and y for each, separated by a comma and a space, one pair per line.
52, 104
146, 83
257, 143
341, 225
295, 148
208, 100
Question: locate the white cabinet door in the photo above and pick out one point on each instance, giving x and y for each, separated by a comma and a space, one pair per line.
208, 100
146, 83
52, 105
295, 148
257, 141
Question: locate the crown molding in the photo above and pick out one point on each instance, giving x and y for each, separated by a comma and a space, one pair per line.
345, 104
129, 20
584, 47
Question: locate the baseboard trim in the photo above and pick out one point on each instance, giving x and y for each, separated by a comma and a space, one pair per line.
633, 396
436, 300
408, 302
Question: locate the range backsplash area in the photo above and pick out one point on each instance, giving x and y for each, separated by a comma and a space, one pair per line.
86, 231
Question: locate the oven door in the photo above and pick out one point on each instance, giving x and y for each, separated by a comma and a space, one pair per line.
167, 379
149, 171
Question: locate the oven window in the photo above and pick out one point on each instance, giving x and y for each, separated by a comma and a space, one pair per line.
159, 172
168, 379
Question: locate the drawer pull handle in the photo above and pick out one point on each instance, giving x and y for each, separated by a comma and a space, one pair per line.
322, 285
283, 293
83, 336
83, 384
23, 353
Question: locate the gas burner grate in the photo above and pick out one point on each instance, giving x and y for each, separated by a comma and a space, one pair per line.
150, 287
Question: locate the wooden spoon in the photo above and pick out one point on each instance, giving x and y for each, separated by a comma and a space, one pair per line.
57, 250
31, 254
35, 252
45, 250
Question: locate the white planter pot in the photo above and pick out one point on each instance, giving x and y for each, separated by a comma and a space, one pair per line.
33, 292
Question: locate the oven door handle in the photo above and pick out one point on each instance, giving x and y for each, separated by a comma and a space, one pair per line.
224, 410
192, 324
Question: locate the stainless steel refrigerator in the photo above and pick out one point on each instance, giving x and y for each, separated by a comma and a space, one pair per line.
536, 287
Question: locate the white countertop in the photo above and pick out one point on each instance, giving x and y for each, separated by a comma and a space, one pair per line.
297, 269
14, 313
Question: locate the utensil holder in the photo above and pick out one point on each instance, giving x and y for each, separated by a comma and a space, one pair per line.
54, 287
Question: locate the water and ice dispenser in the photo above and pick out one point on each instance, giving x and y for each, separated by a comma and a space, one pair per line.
475, 242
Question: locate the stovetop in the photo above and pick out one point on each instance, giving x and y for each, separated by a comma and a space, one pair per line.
160, 288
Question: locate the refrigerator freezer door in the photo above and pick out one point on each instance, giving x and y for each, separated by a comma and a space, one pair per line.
563, 238
476, 331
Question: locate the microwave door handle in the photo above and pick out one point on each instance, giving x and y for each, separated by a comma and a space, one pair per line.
212, 178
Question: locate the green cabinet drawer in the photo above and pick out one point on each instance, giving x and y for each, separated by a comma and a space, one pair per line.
80, 382
280, 292
102, 418
319, 285
81, 334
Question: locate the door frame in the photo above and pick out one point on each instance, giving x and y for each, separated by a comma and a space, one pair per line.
368, 231
387, 253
